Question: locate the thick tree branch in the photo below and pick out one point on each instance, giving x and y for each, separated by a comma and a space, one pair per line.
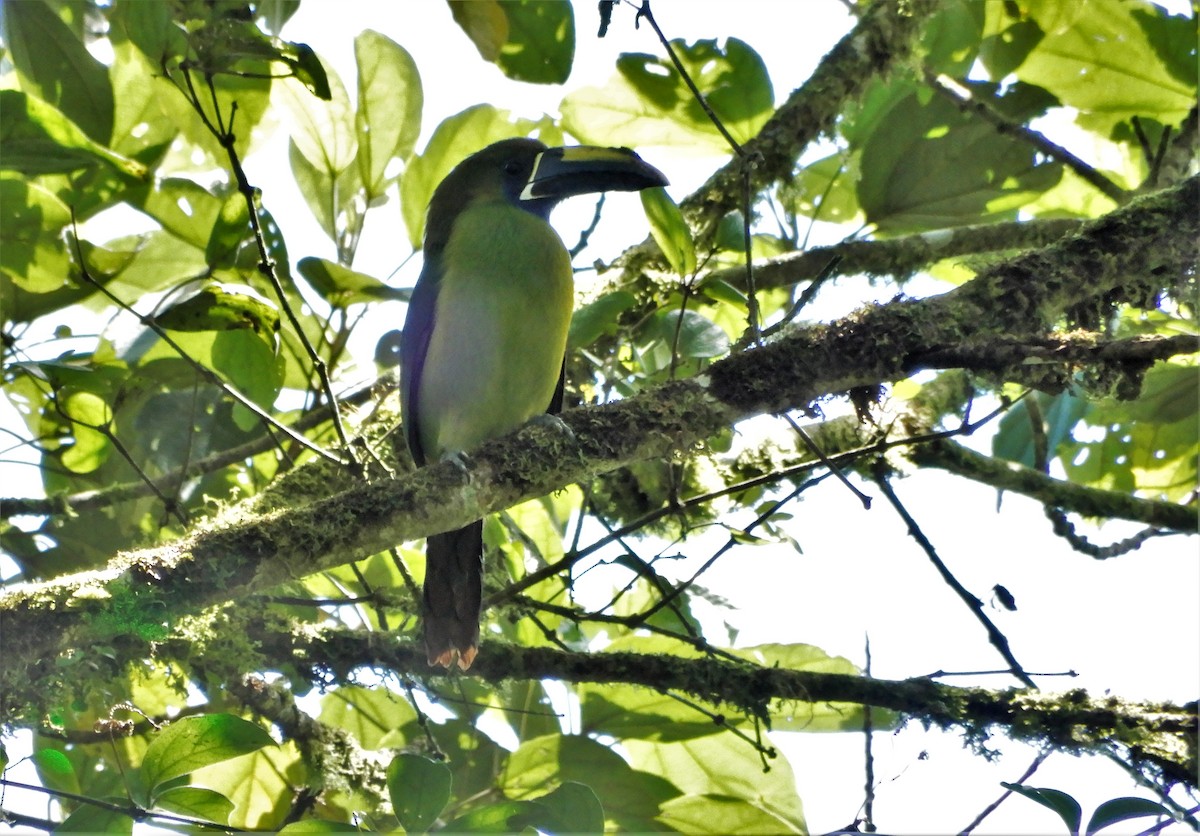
1002, 353
1090, 502
901, 257
1162, 735
128, 602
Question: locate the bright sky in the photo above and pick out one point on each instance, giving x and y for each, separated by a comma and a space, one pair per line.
1122, 625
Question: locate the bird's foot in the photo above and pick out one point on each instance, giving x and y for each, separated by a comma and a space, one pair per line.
553, 422
459, 459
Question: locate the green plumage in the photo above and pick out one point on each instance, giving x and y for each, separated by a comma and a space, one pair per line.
503, 311
486, 332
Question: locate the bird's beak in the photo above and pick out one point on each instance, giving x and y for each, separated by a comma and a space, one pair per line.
583, 169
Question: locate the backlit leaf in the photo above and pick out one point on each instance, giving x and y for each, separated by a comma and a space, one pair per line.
54, 65
648, 103
190, 743
670, 230
390, 99
419, 789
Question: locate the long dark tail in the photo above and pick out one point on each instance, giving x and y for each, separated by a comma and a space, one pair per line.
453, 595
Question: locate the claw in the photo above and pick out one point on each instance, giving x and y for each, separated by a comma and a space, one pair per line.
457, 458
553, 422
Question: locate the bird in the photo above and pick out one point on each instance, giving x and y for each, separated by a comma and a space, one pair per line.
483, 346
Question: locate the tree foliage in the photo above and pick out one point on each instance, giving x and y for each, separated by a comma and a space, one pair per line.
227, 541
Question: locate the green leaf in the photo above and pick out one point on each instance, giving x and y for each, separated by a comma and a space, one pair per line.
275, 13
37, 138
627, 711
725, 765
252, 365
455, 139
419, 789
183, 207
929, 165
505, 817
1170, 393
56, 771
593, 320
951, 39
1099, 59
319, 826
800, 715
370, 714
91, 819
195, 802
484, 22
306, 68
722, 291
331, 201
718, 814
471, 756
1006, 42
576, 804
670, 230
540, 46
324, 131
193, 742
1059, 414
630, 797
33, 253
689, 333
222, 306
1121, 809
390, 99
260, 785
340, 286
159, 260
91, 447
824, 190
53, 64
141, 122
648, 103
1068, 808
229, 230
1173, 38
1148, 444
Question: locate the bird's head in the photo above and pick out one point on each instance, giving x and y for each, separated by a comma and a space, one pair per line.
528, 174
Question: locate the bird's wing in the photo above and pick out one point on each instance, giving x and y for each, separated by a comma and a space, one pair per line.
414, 344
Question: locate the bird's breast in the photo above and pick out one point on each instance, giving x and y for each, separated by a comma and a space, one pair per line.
500, 328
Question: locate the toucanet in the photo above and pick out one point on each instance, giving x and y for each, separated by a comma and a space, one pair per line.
485, 337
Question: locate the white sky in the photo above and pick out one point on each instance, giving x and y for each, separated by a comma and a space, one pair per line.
1128, 625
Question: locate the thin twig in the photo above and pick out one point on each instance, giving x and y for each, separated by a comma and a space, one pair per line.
266, 266
644, 13
131, 810
823, 459
997, 638
226, 138
753, 333
868, 805
991, 808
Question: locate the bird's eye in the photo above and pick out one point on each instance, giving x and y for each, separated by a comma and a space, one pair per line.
512, 167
